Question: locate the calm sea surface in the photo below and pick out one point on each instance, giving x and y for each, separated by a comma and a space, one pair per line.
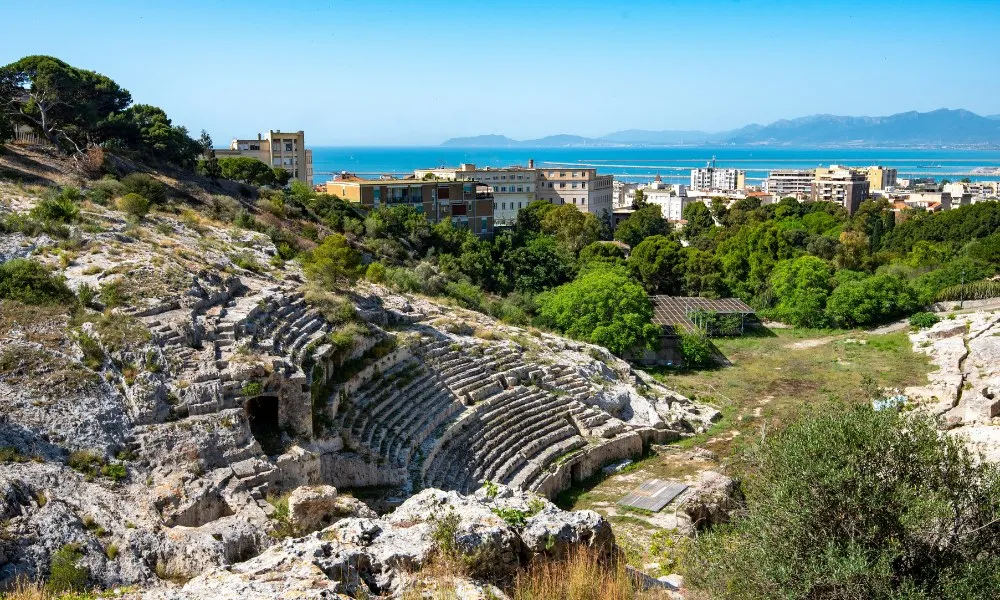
642, 164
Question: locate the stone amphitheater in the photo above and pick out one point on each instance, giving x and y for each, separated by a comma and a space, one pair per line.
240, 384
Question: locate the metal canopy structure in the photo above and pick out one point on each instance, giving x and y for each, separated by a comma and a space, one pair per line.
653, 495
673, 313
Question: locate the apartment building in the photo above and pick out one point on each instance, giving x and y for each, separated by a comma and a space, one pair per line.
281, 149
513, 188
880, 178
582, 188
467, 204
790, 183
671, 203
714, 178
623, 194
847, 187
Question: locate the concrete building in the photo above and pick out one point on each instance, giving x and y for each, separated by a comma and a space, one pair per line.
847, 187
281, 149
880, 178
582, 188
620, 192
711, 177
790, 183
670, 201
467, 204
513, 188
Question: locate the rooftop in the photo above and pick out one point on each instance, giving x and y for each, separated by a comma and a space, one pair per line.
674, 312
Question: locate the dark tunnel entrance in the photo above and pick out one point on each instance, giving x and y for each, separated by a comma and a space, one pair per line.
262, 413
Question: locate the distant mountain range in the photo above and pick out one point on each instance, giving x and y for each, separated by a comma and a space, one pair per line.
943, 127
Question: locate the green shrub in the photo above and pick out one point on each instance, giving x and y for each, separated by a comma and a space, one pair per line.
145, 186
857, 503
112, 294
103, 192
85, 295
64, 573
252, 388
114, 472
30, 282
134, 206
696, 350
86, 462
10, 454
375, 272
924, 320
61, 209
93, 353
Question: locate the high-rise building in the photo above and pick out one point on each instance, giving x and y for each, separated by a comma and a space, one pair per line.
790, 183
847, 187
711, 177
279, 149
467, 204
880, 178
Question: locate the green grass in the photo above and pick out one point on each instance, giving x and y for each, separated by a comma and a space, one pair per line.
769, 383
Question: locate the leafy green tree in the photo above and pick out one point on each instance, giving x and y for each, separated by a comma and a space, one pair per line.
539, 265
699, 220
281, 176
601, 253
529, 220
641, 224
246, 169
696, 350
209, 166
876, 220
70, 107
604, 307
801, 287
571, 228
640, 199
870, 301
147, 130
401, 223
702, 274
659, 263
29, 282
333, 262
855, 504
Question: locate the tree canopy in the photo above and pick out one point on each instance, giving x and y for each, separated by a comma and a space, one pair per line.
641, 224
602, 306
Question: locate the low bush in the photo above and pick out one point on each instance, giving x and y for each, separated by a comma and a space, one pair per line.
923, 320
696, 350
134, 205
62, 208
30, 282
976, 290
145, 186
65, 575
857, 503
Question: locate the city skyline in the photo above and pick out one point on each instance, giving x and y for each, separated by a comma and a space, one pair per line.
402, 74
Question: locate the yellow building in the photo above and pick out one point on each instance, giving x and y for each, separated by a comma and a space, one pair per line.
280, 149
880, 178
845, 186
468, 205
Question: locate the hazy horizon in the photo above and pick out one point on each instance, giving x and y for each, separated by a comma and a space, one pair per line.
395, 73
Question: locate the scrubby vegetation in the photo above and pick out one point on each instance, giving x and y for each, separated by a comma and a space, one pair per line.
857, 504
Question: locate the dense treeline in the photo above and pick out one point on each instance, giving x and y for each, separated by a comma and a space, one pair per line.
808, 264
76, 109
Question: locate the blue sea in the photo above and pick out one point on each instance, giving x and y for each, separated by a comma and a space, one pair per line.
644, 163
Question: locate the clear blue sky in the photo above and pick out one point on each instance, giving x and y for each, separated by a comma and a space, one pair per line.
373, 73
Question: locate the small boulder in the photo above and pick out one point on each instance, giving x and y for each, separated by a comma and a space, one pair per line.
711, 499
312, 507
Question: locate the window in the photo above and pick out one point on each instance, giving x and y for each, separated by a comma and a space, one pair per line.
520, 189
584, 185
574, 186
562, 185
288, 147
562, 174
443, 192
503, 188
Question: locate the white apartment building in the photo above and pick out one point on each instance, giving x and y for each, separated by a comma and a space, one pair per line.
621, 192
715, 178
790, 183
281, 149
671, 203
845, 186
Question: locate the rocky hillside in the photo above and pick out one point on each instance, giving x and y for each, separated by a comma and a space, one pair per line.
152, 434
